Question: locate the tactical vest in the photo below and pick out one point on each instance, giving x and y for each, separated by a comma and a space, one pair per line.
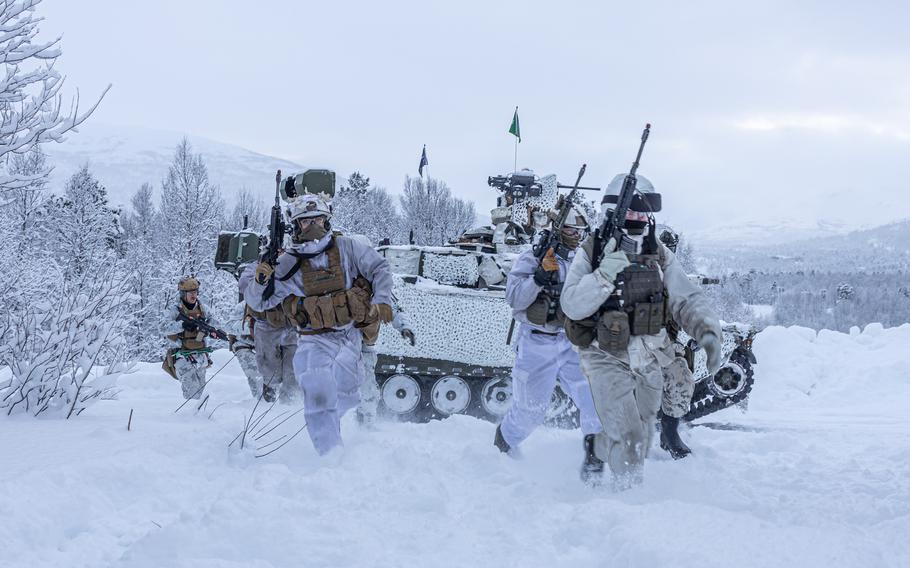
638, 306
546, 308
328, 303
190, 340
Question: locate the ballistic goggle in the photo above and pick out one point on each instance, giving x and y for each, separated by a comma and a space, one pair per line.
641, 202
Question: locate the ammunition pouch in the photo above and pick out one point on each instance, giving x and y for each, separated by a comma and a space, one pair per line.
330, 310
581, 333
613, 332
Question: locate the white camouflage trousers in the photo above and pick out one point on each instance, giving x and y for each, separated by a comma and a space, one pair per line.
369, 390
679, 386
190, 370
329, 370
275, 349
541, 359
243, 350
627, 401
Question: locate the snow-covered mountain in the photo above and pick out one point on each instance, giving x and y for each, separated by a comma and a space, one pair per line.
769, 232
125, 157
883, 248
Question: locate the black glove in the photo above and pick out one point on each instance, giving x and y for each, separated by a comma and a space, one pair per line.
409, 335
190, 326
543, 277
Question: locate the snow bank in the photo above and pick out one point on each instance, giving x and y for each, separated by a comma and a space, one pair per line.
815, 474
864, 371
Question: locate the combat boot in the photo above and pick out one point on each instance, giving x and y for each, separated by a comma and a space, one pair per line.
592, 469
500, 442
669, 438
269, 393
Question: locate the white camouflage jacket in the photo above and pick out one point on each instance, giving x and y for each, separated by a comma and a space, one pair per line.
586, 289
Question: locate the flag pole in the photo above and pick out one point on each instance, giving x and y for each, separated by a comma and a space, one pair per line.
515, 165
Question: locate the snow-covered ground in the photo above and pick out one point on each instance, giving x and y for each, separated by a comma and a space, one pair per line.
816, 473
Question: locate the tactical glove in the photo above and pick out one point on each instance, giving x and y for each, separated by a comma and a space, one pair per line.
543, 277
549, 262
711, 345
546, 273
612, 263
409, 335
264, 271
385, 312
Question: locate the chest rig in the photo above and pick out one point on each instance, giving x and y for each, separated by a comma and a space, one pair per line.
328, 303
637, 306
191, 340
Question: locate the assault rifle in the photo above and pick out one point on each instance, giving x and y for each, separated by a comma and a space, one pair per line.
615, 222
549, 238
208, 329
277, 230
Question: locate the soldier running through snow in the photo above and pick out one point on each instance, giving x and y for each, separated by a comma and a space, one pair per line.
315, 282
543, 354
618, 303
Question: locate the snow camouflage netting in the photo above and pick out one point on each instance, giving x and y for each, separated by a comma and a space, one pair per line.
543, 202
451, 324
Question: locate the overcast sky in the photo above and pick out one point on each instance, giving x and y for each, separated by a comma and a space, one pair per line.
759, 110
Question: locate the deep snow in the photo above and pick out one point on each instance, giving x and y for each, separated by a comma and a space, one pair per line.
814, 474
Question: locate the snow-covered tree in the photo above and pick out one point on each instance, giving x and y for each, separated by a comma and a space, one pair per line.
23, 201
31, 101
53, 345
433, 214
82, 230
191, 208
367, 210
250, 206
191, 214
143, 273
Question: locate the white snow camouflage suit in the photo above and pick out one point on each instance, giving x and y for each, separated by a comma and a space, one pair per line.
328, 365
543, 355
274, 349
628, 388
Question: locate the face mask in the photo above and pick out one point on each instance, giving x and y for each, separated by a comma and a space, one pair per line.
312, 232
570, 241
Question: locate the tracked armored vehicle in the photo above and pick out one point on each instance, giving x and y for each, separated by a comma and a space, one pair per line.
455, 299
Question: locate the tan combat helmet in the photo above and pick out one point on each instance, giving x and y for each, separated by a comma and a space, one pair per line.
187, 284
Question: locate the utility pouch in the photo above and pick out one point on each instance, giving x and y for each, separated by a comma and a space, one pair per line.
580, 333
342, 312
647, 318
293, 310
326, 309
613, 332
358, 303
538, 310
314, 316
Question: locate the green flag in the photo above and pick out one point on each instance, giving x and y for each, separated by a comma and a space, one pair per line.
515, 130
